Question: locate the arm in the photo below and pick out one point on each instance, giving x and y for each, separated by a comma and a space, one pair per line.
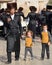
20, 26
40, 37
49, 36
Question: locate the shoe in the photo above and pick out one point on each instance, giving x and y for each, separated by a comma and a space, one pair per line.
16, 59
48, 58
8, 62
42, 58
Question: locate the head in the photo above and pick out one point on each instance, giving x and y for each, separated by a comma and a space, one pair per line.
45, 27
12, 7
29, 33
33, 8
12, 11
44, 9
20, 9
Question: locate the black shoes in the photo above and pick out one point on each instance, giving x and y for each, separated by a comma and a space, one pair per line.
48, 58
43, 58
16, 59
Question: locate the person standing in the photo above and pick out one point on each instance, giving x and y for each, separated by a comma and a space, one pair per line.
13, 34
32, 20
28, 44
45, 40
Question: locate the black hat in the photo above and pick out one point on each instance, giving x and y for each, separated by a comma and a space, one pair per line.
32, 8
49, 7
12, 5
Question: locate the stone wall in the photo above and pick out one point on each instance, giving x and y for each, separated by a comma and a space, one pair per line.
39, 4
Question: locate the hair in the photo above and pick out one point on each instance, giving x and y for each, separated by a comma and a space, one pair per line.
33, 8
2, 10
30, 32
20, 9
44, 25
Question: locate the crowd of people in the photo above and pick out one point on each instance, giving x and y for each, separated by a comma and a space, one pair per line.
12, 30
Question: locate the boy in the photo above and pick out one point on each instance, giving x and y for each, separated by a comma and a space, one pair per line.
45, 40
28, 44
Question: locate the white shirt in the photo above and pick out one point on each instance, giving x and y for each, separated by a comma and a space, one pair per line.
45, 30
12, 16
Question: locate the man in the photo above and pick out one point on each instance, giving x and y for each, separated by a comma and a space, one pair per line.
13, 34
32, 20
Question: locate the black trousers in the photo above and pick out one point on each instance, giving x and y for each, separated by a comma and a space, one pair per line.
15, 48
16, 56
45, 47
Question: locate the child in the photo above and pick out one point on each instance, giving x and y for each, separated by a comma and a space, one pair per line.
28, 44
45, 40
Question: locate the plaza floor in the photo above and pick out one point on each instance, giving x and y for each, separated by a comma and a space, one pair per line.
36, 52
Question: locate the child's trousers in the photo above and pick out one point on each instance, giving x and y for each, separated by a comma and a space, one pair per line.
45, 47
28, 49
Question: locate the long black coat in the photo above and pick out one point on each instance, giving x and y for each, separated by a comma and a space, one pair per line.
32, 22
13, 33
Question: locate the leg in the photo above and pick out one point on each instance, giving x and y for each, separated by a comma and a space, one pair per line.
9, 56
16, 55
17, 48
43, 51
26, 49
17, 51
47, 51
30, 50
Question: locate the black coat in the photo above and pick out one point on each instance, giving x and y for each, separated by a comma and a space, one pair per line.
13, 33
48, 20
32, 20
42, 19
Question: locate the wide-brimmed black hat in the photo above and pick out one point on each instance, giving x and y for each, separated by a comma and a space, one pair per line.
32, 8
12, 5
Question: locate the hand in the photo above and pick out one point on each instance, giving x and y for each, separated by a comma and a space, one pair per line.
40, 40
9, 19
48, 43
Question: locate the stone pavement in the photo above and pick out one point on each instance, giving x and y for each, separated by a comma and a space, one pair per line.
36, 53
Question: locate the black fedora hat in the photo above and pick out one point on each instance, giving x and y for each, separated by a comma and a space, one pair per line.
32, 8
12, 5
